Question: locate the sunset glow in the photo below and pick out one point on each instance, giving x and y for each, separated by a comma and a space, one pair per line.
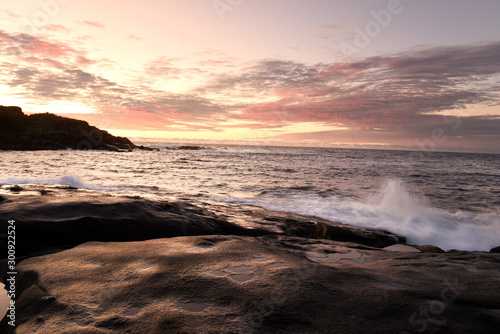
377, 74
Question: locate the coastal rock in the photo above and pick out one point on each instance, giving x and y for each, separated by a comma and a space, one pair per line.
340, 232
495, 250
66, 217
429, 249
53, 217
268, 284
50, 132
228, 269
190, 147
304, 226
402, 248
15, 189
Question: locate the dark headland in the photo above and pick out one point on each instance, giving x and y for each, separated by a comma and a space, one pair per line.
89, 262
19, 131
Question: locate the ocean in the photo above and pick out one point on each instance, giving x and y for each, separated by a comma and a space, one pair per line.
451, 200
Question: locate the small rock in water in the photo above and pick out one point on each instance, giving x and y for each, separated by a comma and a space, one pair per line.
15, 189
189, 147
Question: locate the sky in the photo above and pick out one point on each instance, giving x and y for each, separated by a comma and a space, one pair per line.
390, 74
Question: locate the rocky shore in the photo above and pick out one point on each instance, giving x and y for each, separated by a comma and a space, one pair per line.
22, 132
95, 263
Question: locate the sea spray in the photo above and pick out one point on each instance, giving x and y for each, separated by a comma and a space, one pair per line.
395, 209
398, 210
323, 182
410, 215
395, 200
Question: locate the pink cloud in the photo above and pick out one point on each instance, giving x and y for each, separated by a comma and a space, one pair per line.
81, 60
57, 28
164, 67
94, 24
36, 50
32, 45
5, 38
40, 61
134, 118
215, 63
47, 49
135, 38
12, 14
386, 99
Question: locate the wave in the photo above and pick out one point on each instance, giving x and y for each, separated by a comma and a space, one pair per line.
68, 180
395, 209
161, 146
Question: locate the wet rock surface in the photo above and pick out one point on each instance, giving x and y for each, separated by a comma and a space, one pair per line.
268, 284
53, 218
230, 269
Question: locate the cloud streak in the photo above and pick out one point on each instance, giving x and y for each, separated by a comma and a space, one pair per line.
393, 97
63, 77
93, 24
386, 98
376, 91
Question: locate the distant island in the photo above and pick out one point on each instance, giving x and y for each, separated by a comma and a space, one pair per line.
22, 132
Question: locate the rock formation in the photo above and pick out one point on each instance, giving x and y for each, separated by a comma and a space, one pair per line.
19, 131
229, 269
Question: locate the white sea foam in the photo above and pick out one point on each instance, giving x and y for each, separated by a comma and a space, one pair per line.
287, 179
397, 210
68, 180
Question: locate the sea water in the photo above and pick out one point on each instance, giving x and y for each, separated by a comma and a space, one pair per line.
451, 200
